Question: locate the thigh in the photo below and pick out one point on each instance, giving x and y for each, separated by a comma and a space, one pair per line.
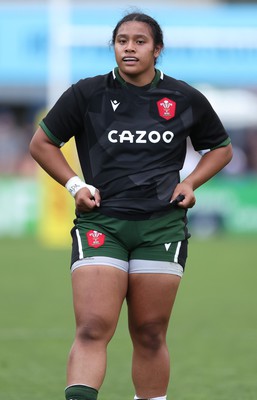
150, 299
98, 294
96, 241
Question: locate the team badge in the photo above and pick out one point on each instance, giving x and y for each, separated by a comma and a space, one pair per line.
95, 238
166, 108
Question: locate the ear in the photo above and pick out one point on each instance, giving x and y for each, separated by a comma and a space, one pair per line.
157, 51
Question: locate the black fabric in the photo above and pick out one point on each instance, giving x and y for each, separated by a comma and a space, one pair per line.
129, 149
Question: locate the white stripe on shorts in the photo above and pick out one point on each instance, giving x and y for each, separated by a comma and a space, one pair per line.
81, 255
177, 252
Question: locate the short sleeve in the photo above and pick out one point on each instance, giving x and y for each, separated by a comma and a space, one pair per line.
208, 131
64, 120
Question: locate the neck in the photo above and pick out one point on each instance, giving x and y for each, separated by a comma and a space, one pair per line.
137, 80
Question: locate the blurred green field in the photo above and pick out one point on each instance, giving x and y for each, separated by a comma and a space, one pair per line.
212, 337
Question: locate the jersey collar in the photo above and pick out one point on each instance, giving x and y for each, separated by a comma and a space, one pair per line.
158, 76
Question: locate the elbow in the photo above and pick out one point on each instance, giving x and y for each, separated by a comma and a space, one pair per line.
33, 149
228, 153
36, 148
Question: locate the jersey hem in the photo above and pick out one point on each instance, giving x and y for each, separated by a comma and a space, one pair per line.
225, 143
136, 216
48, 133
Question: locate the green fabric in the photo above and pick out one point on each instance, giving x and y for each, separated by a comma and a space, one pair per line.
153, 83
54, 139
80, 392
223, 144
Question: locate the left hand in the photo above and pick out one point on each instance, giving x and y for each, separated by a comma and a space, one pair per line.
185, 189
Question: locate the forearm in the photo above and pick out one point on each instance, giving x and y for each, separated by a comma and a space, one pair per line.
209, 165
51, 159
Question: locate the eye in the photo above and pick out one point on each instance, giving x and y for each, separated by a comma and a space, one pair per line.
121, 41
140, 41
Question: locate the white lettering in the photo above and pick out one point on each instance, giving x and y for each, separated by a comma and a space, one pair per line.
141, 136
151, 137
126, 136
110, 136
168, 136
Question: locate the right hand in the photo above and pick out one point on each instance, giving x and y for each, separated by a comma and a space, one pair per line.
85, 202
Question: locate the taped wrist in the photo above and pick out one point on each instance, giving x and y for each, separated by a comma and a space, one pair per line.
74, 184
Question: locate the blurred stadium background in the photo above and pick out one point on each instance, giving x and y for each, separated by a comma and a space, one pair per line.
47, 45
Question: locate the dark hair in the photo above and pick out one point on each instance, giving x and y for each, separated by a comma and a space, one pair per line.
141, 17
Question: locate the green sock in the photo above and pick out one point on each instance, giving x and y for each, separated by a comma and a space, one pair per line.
80, 392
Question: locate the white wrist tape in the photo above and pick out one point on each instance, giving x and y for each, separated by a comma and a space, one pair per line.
74, 184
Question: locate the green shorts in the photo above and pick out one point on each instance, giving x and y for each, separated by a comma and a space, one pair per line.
156, 245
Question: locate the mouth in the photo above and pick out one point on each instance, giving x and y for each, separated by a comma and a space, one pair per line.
130, 59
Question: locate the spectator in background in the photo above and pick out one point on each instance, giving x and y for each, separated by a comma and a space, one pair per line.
14, 139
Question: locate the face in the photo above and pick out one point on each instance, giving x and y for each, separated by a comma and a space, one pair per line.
135, 52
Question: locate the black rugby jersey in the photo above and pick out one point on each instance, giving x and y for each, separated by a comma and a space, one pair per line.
131, 141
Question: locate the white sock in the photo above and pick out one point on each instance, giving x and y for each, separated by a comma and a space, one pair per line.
152, 398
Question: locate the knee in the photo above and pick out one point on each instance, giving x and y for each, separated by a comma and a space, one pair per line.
150, 335
92, 329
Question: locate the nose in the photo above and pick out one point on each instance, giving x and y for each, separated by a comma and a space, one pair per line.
130, 47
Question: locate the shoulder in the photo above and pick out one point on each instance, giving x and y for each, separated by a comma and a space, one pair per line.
85, 88
193, 97
184, 88
92, 82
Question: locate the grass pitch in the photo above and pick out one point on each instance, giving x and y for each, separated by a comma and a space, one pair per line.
212, 336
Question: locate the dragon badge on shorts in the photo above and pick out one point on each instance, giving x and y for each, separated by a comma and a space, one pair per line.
166, 108
95, 239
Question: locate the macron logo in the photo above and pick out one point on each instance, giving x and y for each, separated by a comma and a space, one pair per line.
167, 246
114, 104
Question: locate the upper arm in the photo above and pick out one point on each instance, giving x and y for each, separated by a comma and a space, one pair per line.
226, 152
39, 141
